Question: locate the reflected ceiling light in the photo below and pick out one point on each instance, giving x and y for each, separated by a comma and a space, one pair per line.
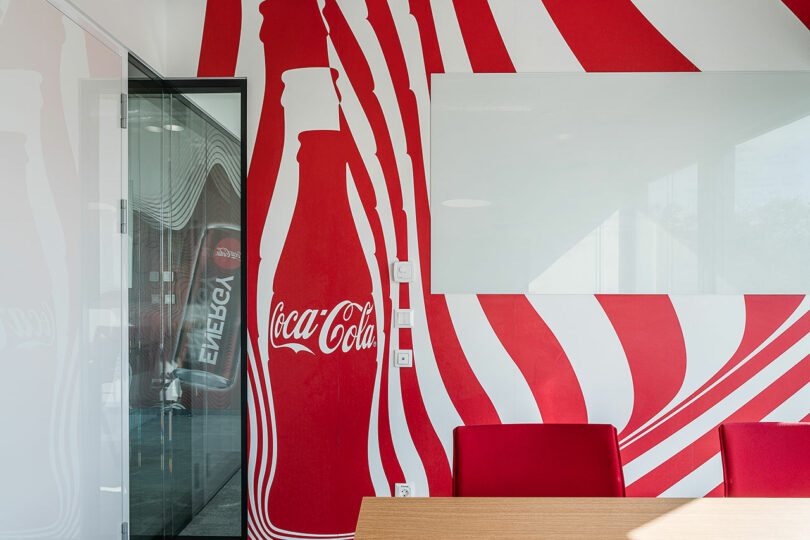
152, 129
487, 108
465, 203
564, 136
173, 127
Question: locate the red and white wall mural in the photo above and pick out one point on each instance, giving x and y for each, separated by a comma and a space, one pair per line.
338, 190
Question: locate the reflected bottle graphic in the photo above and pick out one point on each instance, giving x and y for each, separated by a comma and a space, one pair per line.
209, 345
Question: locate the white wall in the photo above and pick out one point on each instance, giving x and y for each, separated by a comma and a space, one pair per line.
183, 37
140, 25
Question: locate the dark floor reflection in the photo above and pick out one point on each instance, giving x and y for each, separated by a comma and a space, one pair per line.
221, 516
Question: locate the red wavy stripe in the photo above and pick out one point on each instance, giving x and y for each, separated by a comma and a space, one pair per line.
800, 8
652, 339
220, 40
359, 74
539, 356
613, 35
425, 439
717, 491
708, 445
422, 431
484, 45
720, 391
763, 316
466, 393
420, 9
393, 471
351, 55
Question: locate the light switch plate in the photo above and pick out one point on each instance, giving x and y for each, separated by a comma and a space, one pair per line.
403, 271
403, 490
403, 358
403, 318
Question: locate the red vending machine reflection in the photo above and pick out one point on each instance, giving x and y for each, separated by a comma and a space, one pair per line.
209, 345
323, 346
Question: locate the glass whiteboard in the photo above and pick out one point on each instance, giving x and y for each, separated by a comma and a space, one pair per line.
686, 183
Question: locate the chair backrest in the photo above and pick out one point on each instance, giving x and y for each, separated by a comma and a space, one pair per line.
537, 460
766, 459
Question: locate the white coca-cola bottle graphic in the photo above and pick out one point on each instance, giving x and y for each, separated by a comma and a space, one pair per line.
322, 352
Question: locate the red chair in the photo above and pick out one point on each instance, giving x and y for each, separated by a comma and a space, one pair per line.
766, 459
537, 460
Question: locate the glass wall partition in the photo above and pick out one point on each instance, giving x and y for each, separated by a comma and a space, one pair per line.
186, 308
62, 304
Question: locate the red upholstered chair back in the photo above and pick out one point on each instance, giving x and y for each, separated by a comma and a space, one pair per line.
766, 459
537, 460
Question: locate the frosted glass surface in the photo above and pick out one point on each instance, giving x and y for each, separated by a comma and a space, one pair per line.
687, 183
61, 298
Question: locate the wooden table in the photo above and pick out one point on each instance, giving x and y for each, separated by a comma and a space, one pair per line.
473, 518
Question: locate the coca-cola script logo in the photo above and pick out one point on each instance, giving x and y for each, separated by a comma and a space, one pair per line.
334, 327
228, 253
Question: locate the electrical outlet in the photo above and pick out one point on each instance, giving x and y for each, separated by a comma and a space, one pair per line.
403, 358
403, 490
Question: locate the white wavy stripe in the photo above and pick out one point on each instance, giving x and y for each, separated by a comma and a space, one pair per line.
364, 140
531, 38
700, 481
701, 425
708, 346
589, 340
793, 408
412, 467
250, 64
729, 35
498, 374
404, 448
411, 45
272, 242
710, 474
802, 308
440, 409
448, 33
254, 456
378, 479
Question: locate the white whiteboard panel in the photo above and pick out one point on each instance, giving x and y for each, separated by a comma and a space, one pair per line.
687, 183
61, 467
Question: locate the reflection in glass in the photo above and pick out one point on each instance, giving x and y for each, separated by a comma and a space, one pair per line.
185, 315
60, 278
688, 183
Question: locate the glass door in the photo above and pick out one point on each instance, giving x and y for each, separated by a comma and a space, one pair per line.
187, 410
62, 301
